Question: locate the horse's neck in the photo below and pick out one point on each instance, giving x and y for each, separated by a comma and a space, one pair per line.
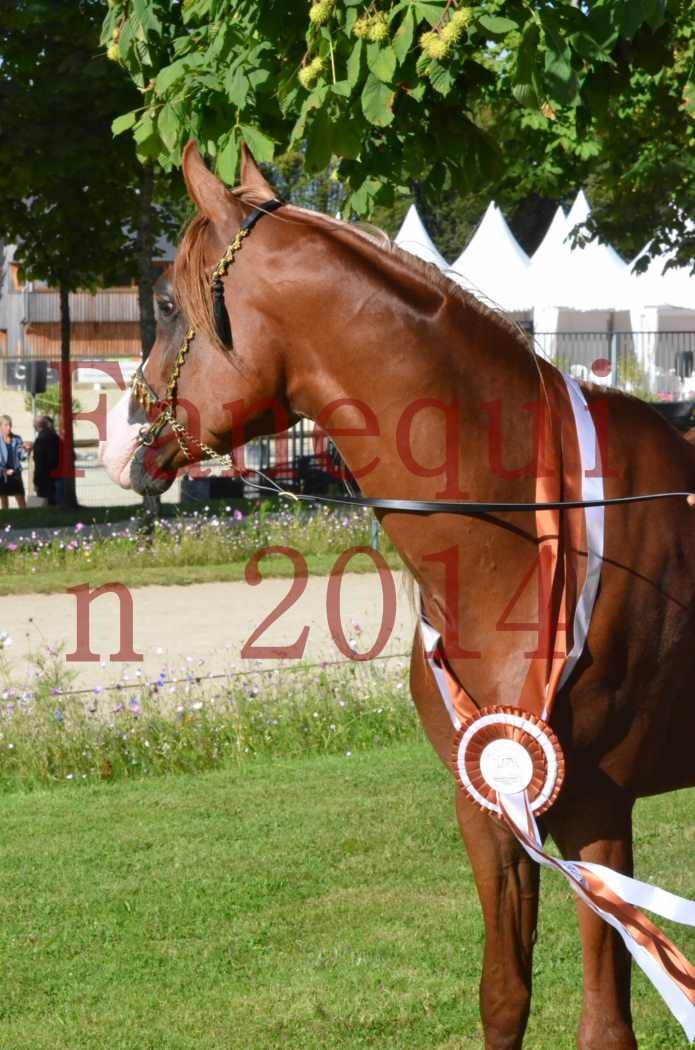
420, 376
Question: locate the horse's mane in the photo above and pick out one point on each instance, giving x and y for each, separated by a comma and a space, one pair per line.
192, 282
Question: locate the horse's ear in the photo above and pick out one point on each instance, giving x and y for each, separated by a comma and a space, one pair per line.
211, 197
251, 175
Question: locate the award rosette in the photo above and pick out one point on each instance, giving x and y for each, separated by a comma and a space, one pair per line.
502, 750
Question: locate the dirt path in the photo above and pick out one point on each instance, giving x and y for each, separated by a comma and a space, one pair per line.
201, 627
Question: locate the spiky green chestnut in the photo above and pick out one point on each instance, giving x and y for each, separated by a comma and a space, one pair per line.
320, 12
379, 29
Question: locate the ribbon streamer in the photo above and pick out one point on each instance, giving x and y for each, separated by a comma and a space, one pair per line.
616, 899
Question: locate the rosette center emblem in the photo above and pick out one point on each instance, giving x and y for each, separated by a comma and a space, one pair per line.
504, 751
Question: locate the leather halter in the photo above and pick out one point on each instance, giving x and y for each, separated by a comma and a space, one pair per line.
143, 392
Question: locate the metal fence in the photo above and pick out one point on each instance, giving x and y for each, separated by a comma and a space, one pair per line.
648, 364
643, 363
636, 359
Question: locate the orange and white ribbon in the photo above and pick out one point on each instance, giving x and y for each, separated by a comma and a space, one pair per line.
618, 900
509, 762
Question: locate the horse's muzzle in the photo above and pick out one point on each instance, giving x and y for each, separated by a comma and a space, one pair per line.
146, 476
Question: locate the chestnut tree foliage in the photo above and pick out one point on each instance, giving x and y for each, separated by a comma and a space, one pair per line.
515, 97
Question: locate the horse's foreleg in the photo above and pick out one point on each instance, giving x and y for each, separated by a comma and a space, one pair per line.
599, 829
507, 882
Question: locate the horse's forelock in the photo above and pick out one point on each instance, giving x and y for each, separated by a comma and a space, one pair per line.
191, 269
192, 281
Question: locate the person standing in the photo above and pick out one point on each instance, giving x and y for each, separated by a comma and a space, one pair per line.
12, 452
46, 452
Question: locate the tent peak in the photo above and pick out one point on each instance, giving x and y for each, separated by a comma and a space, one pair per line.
414, 238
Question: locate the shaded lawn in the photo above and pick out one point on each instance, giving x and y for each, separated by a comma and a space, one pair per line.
324, 902
139, 574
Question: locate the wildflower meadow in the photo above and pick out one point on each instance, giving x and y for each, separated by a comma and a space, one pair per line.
202, 544
53, 733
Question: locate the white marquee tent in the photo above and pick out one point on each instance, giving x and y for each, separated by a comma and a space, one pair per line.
587, 291
494, 267
665, 305
414, 238
552, 242
584, 302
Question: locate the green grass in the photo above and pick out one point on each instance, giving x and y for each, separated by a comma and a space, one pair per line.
291, 904
143, 575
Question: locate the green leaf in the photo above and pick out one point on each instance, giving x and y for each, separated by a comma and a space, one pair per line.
431, 13
527, 54
107, 28
347, 137
558, 65
689, 98
228, 159
170, 74
319, 148
125, 42
629, 16
148, 141
146, 17
560, 80
262, 147
377, 102
497, 25
403, 38
341, 88
526, 95
236, 86
168, 126
353, 64
360, 200
288, 92
381, 61
313, 101
125, 121
146, 128
441, 78
258, 77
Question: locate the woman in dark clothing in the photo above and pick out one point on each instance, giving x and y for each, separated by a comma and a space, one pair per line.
12, 452
46, 452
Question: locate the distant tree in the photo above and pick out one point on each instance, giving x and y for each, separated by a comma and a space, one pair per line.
75, 201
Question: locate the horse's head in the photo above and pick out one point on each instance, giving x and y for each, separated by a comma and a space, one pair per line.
205, 386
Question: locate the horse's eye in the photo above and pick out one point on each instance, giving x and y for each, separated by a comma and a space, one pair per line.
166, 307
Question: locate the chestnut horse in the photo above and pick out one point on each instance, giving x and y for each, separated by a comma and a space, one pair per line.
412, 368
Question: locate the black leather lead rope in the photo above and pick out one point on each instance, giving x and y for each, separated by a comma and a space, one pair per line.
470, 507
